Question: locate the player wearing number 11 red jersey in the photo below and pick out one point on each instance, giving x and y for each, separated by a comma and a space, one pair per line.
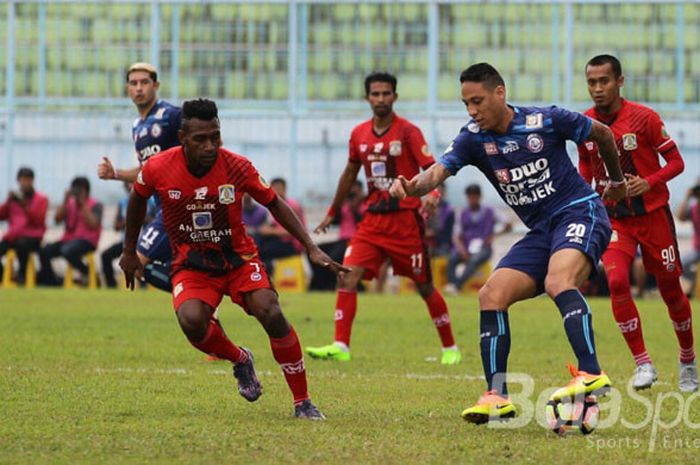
643, 218
386, 146
201, 186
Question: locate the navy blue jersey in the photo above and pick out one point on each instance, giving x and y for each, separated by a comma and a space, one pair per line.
157, 131
528, 165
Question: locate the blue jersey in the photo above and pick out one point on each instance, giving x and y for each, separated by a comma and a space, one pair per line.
528, 165
157, 131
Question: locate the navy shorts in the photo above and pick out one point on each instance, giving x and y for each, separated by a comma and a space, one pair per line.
583, 226
153, 241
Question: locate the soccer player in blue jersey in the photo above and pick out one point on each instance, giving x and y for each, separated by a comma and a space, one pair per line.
154, 131
522, 152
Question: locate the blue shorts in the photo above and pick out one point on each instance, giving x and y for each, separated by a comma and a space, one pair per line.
153, 241
583, 226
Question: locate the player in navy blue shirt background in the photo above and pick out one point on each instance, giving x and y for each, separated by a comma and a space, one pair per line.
154, 131
523, 154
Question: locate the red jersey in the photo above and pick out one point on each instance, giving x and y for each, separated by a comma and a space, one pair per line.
400, 150
640, 136
202, 216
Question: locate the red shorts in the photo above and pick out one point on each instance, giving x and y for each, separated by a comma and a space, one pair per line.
655, 233
193, 284
396, 235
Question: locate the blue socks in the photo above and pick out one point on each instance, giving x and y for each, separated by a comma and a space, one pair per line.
158, 275
579, 329
495, 347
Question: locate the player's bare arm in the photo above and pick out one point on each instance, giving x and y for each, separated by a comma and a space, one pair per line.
289, 220
107, 171
129, 261
421, 183
603, 136
347, 178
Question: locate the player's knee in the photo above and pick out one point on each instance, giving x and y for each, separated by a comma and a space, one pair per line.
425, 289
619, 283
491, 298
193, 321
349, 281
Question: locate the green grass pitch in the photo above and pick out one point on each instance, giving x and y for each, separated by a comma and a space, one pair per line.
107, 377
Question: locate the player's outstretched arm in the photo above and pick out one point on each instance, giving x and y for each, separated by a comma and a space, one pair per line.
107, 171
347, 178
289, 220
603, 136
129, 261
421, 183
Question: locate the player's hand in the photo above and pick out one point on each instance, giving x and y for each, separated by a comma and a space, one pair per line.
614, 194
429, 206
323, 225
105, 170
133, 268
401, 187
319, 257
636, 185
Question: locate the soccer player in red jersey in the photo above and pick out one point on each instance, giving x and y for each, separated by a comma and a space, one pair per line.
643, 218
201, 186
386, 146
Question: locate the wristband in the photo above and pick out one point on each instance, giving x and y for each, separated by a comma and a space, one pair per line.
331, 211
616, 183
435, 193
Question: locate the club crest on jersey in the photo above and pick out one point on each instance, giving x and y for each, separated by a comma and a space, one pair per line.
363, 148
201, 193
255, 276
590, 145
534, 121
378, 147
202, 220
378, 169
174, 194
629, 141
503, 176
534, 143
156, 130
227, 194
490, 148
395, 148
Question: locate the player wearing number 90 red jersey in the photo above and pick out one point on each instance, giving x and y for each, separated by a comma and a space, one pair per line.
642, 219
201, 186
386, 146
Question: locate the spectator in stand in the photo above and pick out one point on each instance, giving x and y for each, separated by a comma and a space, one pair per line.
689, 210
82, 217
115, 250
254, 216
439, 226
25, 212
473, 239
275, 241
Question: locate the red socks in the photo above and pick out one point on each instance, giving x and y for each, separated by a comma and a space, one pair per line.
617, 267
216, 343
287, 352
345, 309
679, 311
438, 312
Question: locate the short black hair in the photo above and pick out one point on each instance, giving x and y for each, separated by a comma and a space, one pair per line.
473, 189
25, 172
600, 60
200, 108
279, 181
380, 76
483, 73
80, 182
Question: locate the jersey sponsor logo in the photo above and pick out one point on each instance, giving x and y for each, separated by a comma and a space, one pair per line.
202, 220
472, 126
378, 147
205, 235
255, 276
160, 113
490, 148
178, 289
156, 130
425, 150
363, 148
395, 148
174, 194
227, 194
629, 141
534, 121
200, 206
511, 146
526, 183
201, 193
503, 176
378, 168
534, 143
147, 152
